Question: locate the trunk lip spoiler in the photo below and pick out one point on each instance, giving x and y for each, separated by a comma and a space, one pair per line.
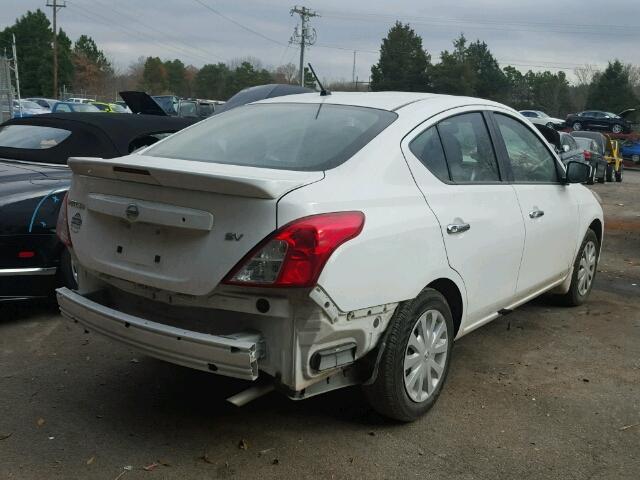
228, 179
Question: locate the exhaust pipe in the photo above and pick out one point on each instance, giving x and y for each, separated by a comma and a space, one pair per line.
250, 394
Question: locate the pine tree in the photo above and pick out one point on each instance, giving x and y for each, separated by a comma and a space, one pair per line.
403, 64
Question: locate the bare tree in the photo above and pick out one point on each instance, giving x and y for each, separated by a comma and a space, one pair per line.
286, 73
584, 75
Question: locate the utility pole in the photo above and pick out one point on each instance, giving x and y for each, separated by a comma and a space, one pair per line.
353, 73
306, 36
55, 6
14, 52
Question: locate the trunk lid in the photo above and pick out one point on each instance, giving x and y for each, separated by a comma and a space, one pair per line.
174, 225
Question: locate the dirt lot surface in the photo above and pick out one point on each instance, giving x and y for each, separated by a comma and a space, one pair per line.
546, 392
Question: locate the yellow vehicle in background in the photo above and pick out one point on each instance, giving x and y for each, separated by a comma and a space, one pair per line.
109, 107
610, 150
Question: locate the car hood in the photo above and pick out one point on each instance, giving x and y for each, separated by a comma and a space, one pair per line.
625, 113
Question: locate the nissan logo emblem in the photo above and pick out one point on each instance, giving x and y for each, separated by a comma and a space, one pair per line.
132, 211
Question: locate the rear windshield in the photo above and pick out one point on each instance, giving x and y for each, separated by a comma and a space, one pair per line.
585, 143
31, 136
287, 136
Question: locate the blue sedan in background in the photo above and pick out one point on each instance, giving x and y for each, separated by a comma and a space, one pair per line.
631, 151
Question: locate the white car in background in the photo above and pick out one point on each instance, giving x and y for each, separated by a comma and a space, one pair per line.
541, 118
328, 241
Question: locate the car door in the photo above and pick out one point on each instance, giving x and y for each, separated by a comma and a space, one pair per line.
454, 164
549, 209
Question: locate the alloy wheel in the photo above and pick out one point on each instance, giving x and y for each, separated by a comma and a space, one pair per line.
616, 129
577, 126
587, 268
426, 356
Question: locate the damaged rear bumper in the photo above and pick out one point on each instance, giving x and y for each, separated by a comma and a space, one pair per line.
234, 355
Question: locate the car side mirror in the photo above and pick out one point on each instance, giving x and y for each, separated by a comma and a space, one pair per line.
577, 172
566, 148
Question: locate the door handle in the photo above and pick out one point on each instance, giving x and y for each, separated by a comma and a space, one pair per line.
536, 213
454, 228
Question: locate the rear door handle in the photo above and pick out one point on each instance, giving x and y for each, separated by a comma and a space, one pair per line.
454, 228
536, 213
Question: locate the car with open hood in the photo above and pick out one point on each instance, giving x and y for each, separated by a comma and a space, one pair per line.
33, 181
599, 120
318, 241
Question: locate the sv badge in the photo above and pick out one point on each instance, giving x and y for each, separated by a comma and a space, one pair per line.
233, 237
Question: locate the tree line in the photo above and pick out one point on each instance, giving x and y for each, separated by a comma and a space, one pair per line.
469, 68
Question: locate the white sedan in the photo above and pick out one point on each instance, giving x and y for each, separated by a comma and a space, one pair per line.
541, 118
319, 242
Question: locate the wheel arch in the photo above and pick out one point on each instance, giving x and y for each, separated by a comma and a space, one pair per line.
450, 291
596, 226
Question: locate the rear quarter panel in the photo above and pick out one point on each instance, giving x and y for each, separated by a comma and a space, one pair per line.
400, 249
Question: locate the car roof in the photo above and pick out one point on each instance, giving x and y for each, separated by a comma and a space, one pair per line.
93, 134
391, 101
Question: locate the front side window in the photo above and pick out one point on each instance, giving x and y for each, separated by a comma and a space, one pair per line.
287, 136
468, 149
531, 161
32, 137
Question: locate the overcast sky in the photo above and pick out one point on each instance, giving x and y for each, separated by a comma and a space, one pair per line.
537, 34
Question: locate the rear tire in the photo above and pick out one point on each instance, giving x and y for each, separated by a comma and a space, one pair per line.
414, 365
619, 173
603, 178
576, 126
585, 267
616, 128
610, 173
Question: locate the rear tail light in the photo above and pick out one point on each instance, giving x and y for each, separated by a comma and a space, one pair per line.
62, 226
587, 155
26, 254
294, 255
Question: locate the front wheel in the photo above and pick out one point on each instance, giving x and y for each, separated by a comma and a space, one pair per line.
584, 271
616, 128
415, 362
576, 126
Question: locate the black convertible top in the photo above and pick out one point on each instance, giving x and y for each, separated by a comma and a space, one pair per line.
105, 135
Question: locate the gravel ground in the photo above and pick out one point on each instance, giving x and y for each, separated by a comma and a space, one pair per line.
546, 392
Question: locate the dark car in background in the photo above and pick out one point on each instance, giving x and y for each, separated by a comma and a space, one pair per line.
599, 120
594, 156
609, 150
34, 179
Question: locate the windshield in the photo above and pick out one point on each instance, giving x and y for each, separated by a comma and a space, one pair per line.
85, 107
612, 115
28, 104
31, 136
288, 136
584, 143
542, 114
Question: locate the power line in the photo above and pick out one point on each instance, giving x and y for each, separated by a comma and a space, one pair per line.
484, 24
82, 11
244, 27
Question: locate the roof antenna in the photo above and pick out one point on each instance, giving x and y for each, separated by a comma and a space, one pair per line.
323, 91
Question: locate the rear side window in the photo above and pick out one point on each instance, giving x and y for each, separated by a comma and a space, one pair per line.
32, 137
468, 149
287, 136
531, 161
428, 149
